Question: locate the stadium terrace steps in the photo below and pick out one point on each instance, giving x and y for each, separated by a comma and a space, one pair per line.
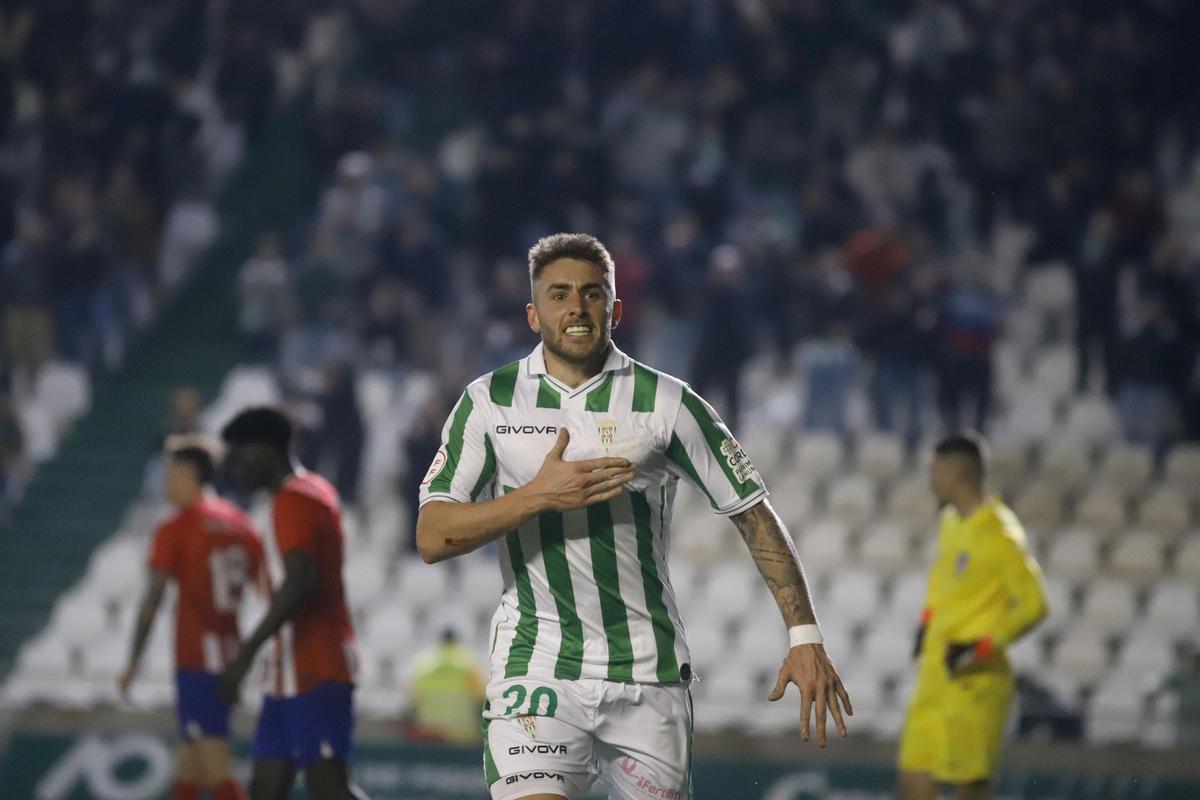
77, 499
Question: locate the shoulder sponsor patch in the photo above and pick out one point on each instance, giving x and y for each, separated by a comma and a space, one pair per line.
737, 459
439, 461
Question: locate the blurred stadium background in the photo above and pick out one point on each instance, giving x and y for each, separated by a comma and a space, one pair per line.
851, 223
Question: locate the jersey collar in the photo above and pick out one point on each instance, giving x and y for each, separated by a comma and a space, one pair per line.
535, 365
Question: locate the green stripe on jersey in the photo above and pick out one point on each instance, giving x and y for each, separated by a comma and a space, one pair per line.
548, 396
527, 625
441, 482
660, 619
645, 387
608, 582
503, 383
558, 574
490, 773
489, 467
597, 399
677, 454
715, 438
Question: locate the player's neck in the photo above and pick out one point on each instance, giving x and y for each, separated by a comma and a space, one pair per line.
283, 474
968, 502
571, 374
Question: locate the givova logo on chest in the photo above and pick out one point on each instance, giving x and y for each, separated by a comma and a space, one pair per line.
512, 430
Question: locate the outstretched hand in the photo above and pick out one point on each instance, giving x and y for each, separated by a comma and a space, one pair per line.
568, 485
230, 687
809, 667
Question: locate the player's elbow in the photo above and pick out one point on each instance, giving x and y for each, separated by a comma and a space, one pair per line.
430, 545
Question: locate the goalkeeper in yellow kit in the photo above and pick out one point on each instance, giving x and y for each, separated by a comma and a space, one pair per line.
985, 591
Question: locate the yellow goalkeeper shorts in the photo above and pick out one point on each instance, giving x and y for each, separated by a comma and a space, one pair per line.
955, 727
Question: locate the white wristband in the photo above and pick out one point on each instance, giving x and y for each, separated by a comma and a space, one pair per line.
805, 634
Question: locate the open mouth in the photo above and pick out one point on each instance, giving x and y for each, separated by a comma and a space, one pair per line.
578, 331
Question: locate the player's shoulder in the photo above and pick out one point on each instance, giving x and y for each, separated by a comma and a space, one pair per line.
1003, 524
307, 488
667, 389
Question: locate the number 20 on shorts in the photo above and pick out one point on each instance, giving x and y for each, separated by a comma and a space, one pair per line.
517, 693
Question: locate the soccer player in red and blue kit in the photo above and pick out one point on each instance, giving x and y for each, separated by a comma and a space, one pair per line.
307, 717
211, 551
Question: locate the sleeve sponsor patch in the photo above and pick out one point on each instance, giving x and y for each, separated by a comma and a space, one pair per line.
439, 461
737, 460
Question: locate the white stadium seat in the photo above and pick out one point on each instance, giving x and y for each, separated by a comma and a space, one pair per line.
886, 546
64, 390
1050, 288
732, 587
1074, 554
1081, 654
911, 502
1166, 509
852, 499
906, 599
1183, 468
1174, 607
853, 595
1137, 555
1040, 506
823, 544
1187, 560
1030, 418
1101, 509
819, 455
1091, 419
1008, 463
1126, 468
1147, 651
1055, 371
1060, 599
1114, 714
1064, 464
40, 431
1109, 605
880, 455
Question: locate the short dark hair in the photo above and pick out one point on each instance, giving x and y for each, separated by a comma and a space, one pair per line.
577, 246
969, 445
260, 425
201, 452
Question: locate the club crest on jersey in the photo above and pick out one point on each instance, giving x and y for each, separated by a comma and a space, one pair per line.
439, 461
960, 563
737, 460
529, 723
608, 432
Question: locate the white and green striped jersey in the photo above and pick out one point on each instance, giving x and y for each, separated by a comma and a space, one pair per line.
586, 592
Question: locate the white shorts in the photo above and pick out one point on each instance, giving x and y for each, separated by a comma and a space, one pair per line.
546, 736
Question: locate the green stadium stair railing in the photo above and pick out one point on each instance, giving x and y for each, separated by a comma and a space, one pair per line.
77, 499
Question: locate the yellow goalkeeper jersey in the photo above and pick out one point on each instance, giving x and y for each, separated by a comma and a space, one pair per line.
984, 583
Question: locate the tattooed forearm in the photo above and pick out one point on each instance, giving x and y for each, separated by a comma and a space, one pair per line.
777, 562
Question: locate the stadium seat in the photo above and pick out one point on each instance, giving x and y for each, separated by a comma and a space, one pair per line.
1055, 370
1147, 652
1074, 554
1174, 607
1109, 605
1114, 714
792, 501
906, 599
1060, 598
40, 431
389, 629
887, 546
1008, 463
1166, 509
78, 619
1030, 418
823, 544
1050, 288
482, 583
1138, 555
1126, 468
1187, 560
707, 642
731, 588
1007, 360
1028, 654
117, 569
1091, 419
819, 455
887, 649
852, 499
1183, 469
364, 577
1064, 465
853, 596
64, 390
1040, 506
422, 584
1101, 509
727, 697
880, 455
912, 503
1081, 656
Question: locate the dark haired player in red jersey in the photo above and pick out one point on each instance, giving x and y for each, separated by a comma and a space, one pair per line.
211, 551
307, 718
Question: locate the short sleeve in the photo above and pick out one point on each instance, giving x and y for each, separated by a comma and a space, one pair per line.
703, 452
464, 465
296, 523
164, 550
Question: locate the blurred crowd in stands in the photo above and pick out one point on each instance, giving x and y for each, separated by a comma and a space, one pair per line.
824, 180
818, 179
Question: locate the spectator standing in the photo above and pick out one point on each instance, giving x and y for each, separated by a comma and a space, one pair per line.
726, 327
1147, 365
447, 692
972, 317
264, 288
